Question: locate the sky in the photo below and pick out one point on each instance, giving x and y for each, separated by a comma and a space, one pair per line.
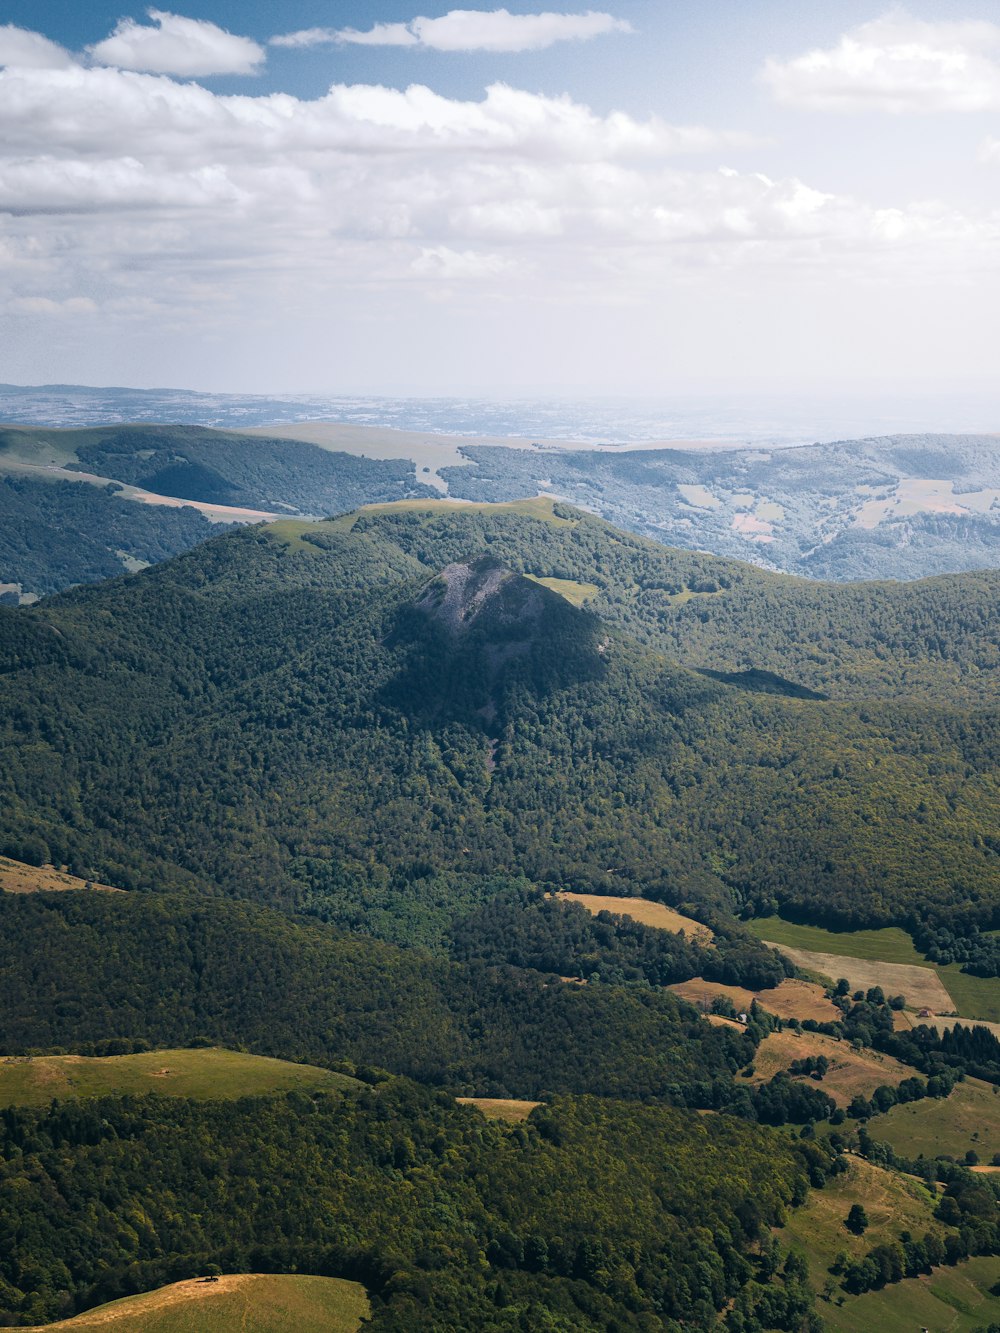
647, 198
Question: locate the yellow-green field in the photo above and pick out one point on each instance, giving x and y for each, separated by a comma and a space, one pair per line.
205, 1073
890, 945
950, 1300
642, 910
240, 1303
973, 997
19, 877
500, 1108
893, 1202
969, 1118
574, 592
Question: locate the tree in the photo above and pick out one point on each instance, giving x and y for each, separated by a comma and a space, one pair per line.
857, 1220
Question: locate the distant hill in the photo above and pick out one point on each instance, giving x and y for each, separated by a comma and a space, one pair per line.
899, 506
77, 506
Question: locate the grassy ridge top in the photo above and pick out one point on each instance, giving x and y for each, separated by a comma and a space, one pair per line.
203, 1073
235, 1303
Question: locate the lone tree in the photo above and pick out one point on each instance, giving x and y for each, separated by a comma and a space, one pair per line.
857, 1220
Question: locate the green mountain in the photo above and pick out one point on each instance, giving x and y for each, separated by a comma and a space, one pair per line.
340, 766
326, 716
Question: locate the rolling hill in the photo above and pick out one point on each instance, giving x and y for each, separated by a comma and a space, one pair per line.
322, 718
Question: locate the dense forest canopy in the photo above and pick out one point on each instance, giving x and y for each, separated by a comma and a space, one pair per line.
279, 715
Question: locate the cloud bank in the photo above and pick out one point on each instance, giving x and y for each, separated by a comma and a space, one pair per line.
468, 30
897, 64
190, 48
141, 210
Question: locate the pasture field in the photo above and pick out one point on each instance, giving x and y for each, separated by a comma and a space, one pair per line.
890, 945
205, 1073
238, 1303
921, 985
500, 1108
642, 910
575, 593
968, 1118
973, 997
950, 1300
792, 999
893, 1202
944, 1024
851, 1072
19, 877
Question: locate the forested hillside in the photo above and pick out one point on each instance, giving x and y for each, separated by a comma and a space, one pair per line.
934, 639
288, 720
77, 506
340, 768
56, 533
451, 1222
87, 971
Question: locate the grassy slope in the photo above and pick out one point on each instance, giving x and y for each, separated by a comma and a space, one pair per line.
642, 910
851, 1072
252, 1303
792, 999
893, 1202
203, 1073
951, 1300
968, 1118
509, 1109
975, 997
19, 877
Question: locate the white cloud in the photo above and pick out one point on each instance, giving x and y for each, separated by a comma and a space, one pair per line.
30, 50
81, 111
469, 30
179, 209
896, 64
191, 48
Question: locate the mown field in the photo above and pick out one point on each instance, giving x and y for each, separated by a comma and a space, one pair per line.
974, 997
19, 877
794, 998
501, 1108
644, 911
851, 1072
968, 1119
204, 1073
239, 1303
